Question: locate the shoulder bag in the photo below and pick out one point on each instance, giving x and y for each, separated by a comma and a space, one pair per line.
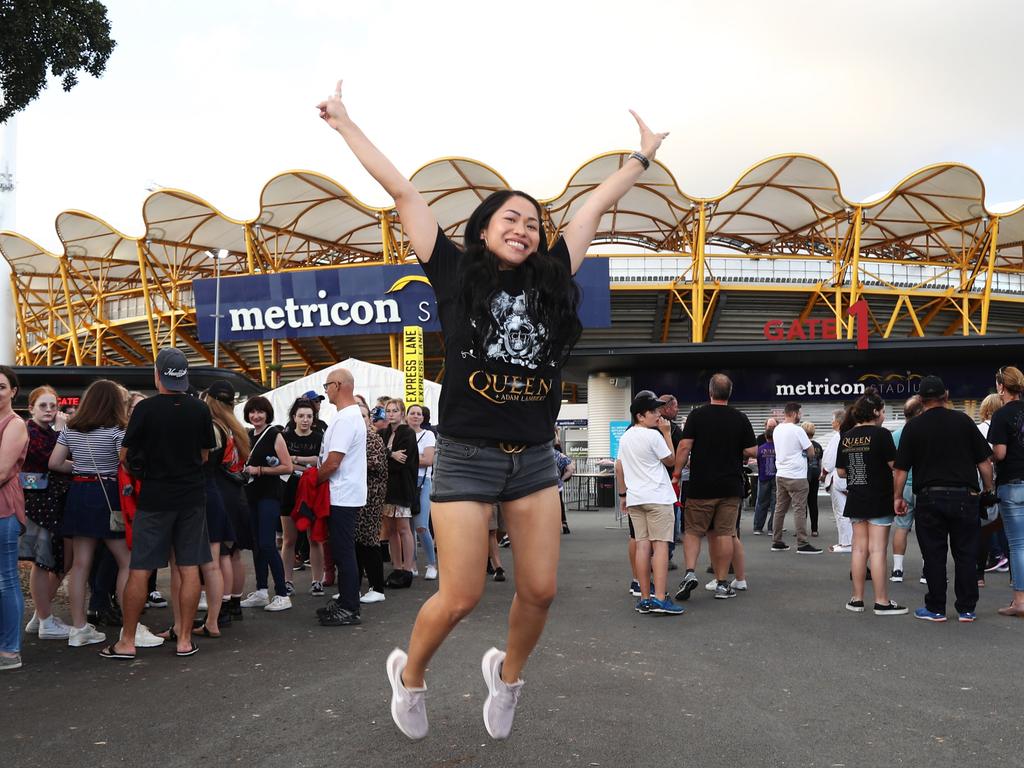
116, 515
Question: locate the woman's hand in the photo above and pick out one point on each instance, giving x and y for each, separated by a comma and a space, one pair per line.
649, 140
251, 470
332, 109
399, 456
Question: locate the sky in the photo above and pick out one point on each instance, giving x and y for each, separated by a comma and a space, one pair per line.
218, 97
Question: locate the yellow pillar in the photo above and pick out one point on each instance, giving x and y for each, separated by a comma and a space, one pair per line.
855, 271
19, 310
986, 297
144, 276
388, 250
697, 314
250, 249
72, 326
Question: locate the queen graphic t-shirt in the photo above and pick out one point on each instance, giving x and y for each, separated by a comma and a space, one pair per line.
512, 395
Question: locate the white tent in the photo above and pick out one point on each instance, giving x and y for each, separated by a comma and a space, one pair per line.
372, 381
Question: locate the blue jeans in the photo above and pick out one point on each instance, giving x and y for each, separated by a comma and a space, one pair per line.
1011, 507
12, 602
265, 554
765, 508
342, 526
421, 523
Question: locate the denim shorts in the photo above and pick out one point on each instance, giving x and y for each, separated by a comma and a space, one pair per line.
884, 520
473, 471
907, 520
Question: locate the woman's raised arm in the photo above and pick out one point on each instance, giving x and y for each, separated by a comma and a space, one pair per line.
417, 219
579, 233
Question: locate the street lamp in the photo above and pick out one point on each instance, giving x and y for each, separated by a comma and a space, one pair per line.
222, 253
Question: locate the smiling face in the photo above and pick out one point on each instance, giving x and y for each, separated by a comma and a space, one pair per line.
44, 410
513, 233
258, 419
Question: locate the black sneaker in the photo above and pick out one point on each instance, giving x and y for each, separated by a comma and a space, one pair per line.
890, 609
316, 588
781, 546
342, 617
686, 586
223, 618
808, 549
857, 606
723, 591
499, 574
897, 575
505, 543
289, 588
331, 607
234, 608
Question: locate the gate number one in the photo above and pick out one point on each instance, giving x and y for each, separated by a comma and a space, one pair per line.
859, 310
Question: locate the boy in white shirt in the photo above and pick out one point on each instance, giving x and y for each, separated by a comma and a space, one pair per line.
791, 448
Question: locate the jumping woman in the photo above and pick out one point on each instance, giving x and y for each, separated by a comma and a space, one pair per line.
508, 309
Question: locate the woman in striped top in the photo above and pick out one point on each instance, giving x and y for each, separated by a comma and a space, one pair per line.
88, 450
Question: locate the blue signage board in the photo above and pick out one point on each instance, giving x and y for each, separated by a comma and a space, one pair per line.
349, 300
617, 430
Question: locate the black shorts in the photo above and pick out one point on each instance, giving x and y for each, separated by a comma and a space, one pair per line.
467, 472
155, 532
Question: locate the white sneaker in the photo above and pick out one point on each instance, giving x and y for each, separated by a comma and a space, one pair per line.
740, 585
415, 572
52, 628
87, 635
711, 585
33, 624
431, 573
144, 638
203, 606
336, 596
500, 704
408, 705
257, 599
279, 603
372, 596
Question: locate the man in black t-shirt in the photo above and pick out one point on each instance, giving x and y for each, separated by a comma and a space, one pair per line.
170, 435
946, 452
716, 440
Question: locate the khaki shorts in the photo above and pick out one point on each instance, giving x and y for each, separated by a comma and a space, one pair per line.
393, 510
653, 522
718, 515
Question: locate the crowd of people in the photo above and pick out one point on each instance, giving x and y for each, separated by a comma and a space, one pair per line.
960, 485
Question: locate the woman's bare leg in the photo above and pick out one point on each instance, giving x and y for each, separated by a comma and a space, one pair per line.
83, 550
316, 560
119, 549
214, 579
40, 587
237, 573
408, 543
460, 530
878, 549
534, 525
859, 559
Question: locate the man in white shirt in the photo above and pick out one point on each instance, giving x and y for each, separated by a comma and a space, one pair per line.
343, 465
791, 449
646, 494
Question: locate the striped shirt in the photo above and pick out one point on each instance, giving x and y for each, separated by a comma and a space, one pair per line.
94, 452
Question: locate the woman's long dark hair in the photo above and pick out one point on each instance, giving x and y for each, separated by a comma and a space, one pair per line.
552, 296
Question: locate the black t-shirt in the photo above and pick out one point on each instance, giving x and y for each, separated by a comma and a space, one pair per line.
720, 434
1007, 429
264, 454
298, 445
865, 452
944, 448
170, 432
512, 395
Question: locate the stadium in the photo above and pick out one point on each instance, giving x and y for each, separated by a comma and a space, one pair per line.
795, 290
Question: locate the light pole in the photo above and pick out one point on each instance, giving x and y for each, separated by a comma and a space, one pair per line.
217, 256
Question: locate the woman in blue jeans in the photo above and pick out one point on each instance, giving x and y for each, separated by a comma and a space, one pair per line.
268, 462
1006, 434
13, 447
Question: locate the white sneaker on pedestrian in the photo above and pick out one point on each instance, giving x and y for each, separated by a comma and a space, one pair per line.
156, 600
33, 624
740, 585
336, 596
431, 573
372, 596
408, 705
502, 698
415, 572
87, 635
279, 603
257, 599
711, 585
144, 638
203, 605
52, 628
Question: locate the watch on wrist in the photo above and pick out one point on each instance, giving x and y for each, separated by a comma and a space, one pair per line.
622, 495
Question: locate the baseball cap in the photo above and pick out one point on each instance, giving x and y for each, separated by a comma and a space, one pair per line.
644, 403
932, 386
221, 390
312, 395
172, 368
378, 414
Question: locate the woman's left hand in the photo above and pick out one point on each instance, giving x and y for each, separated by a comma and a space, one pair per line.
251, 470
649, 140
399, 456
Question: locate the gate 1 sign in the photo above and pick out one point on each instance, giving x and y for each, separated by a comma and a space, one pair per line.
412, 364
349, 300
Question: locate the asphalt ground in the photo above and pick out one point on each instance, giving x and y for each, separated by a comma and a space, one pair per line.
780, 676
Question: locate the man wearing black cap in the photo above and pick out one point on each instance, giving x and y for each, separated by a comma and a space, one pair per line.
946, 452
170, 436
319, 425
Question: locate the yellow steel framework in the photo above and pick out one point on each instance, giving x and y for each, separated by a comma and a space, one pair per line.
928, 257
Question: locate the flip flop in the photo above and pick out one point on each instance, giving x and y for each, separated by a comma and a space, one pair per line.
193, 649
205, 632
168, 634
112, 653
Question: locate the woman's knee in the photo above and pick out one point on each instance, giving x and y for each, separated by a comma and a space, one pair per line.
540, 595
458, 607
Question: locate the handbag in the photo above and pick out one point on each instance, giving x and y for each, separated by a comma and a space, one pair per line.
116, 516
34, 481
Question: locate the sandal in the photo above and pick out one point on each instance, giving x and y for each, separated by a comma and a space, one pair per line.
205, 632
110, 652
168, 634
192, 650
